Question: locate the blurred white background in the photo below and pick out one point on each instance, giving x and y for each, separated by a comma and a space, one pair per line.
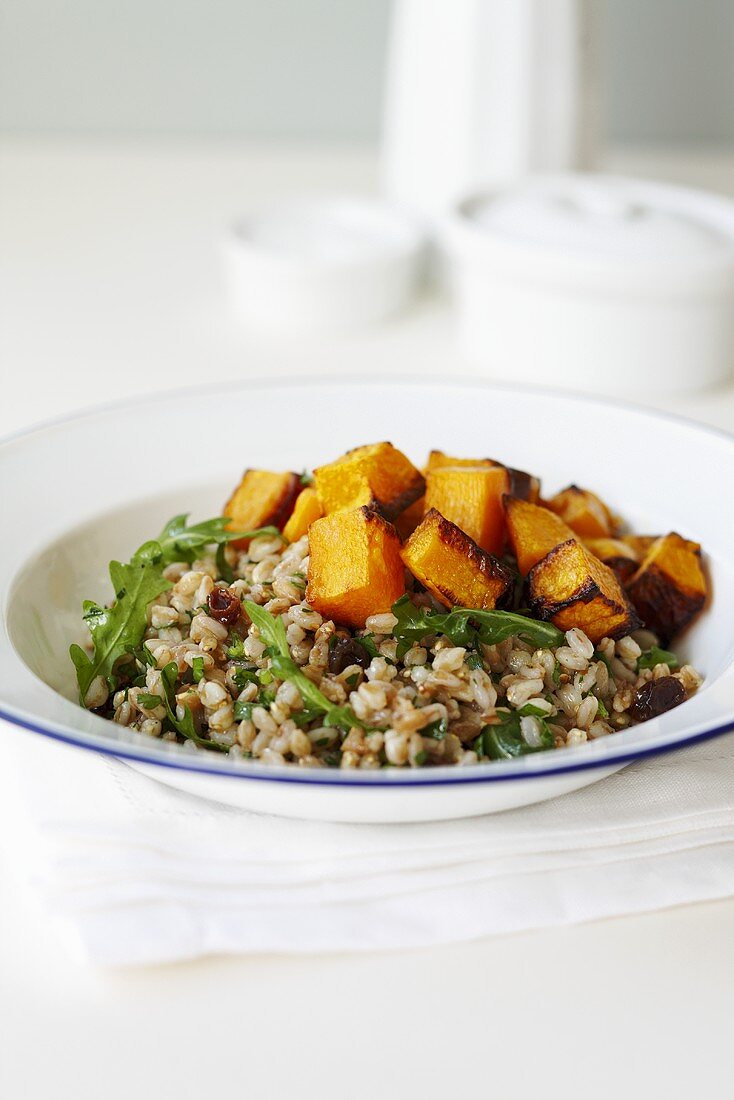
312, 70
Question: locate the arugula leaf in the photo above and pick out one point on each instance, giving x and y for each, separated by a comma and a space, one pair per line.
223, 567
180, 542
272, 632
149, 701
117, 629
466, 627
185, 726
656, 656
504, 741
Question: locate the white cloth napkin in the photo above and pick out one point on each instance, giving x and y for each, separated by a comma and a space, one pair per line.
140, 873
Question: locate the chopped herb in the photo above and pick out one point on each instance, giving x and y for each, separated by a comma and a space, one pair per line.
265, 676
149, 701
656, 656
420, 758
556, 673
367, 641
505, 741
197, 667
236, 647
352, 680
602, 711
284, 668
436, 730
467, 627
306, 479
242, 676
242, 710
529, 711
473, 660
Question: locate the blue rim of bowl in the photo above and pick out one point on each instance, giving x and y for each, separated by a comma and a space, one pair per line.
419, 779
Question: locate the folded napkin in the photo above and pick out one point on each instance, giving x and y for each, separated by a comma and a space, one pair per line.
140, 873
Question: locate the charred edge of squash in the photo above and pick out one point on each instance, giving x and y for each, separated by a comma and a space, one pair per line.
390, 509
282, 513
623, 568
664, 606
522, 485
586, 593
373, 515
486, 564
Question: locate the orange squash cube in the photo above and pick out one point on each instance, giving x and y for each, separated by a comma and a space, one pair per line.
377, 475
471, 498
620, 557
583, 511
533, 532
355, 569
437, 459
408, 520
670, 586
573, 588
306, 509
453, 568
262, 499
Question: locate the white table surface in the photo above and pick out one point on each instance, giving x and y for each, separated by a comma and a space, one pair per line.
109, 285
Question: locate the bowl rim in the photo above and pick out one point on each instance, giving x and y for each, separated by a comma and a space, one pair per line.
594, 755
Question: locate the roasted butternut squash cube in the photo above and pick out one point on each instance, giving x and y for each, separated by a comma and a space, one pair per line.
437, 459
533, 531
453, 568
377, 475
583, 511
639, 544
306, 509
670, 586
355, 569
520, 484
262, 499
620, 557
571, 587
408, 520
471, 497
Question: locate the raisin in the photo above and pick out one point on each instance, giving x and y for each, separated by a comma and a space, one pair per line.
224, 605
655, 697
347, 651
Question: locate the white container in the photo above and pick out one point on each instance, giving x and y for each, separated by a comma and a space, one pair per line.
318, 265
481, 92
595, 282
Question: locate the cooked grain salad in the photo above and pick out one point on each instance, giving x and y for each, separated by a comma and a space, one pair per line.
377, 615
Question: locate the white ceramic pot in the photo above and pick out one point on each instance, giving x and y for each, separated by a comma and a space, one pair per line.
595, 282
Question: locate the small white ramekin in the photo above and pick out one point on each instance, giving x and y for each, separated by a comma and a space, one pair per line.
595, 282
323, 264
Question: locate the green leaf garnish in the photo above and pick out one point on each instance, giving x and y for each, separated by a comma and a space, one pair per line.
466, 627
185, 726
149, 701
436, 730
197, 667
504, 741
602, 710
656, 656
284, 668
117, 629
180, 542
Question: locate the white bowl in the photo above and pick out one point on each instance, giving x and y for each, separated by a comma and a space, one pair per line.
77, 493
